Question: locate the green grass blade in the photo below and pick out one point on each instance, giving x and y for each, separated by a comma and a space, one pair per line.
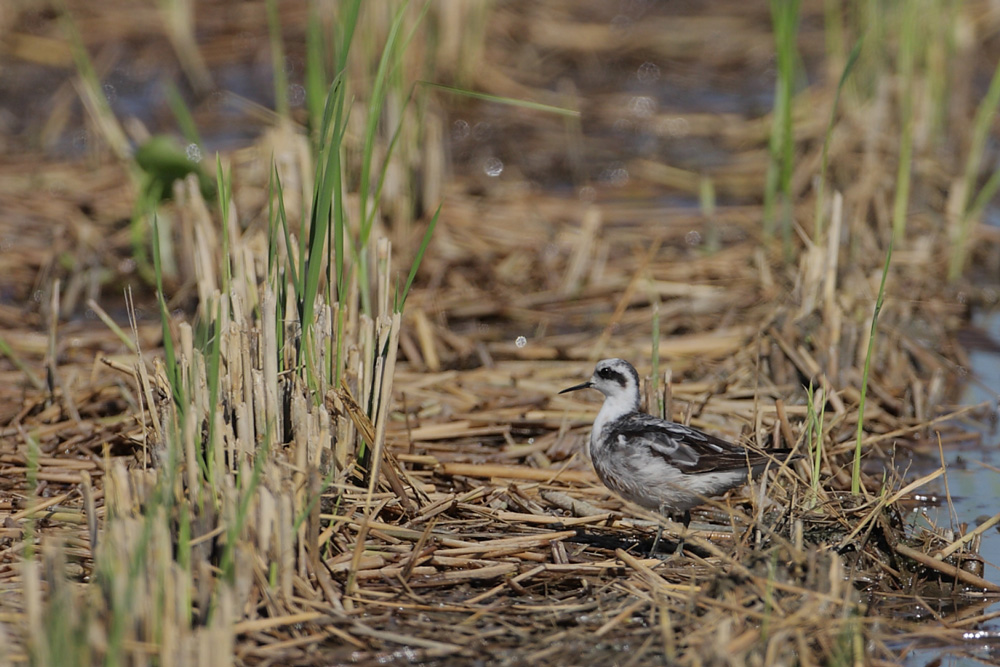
380, 182
907, 57
418, 258
348, 22
856, 473
277, 59
272, 221
655, 355
212, 372
316, 81
93, 91
185, 121
982, 125
985, 196
785, 17
225, 189
327, 197
390, 49
283, 220
173, 370
339, 215
376, 106
7, 351
523, 104
112, 325
824, 160
31, 463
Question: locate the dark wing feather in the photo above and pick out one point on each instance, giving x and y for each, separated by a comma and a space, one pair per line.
690, 450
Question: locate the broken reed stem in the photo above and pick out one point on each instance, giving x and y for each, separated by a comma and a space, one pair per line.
8, 351
947, 568
968, 537
386, 371
887, 500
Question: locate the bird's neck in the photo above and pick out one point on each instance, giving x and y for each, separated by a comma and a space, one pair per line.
614, 408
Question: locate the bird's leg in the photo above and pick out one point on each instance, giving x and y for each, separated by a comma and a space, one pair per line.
686, 519
656, 540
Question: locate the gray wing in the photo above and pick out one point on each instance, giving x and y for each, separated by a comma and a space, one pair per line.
690, 450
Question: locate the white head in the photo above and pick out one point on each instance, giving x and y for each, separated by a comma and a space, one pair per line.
618, 381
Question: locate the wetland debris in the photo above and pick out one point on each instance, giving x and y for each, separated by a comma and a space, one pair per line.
479, 526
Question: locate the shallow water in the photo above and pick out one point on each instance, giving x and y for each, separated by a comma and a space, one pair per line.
975, 493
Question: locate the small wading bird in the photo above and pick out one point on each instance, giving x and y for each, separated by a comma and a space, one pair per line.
658, 464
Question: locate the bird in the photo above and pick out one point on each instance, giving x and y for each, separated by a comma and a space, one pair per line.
655, 463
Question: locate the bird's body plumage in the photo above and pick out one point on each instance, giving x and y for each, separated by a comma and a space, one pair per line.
655, 463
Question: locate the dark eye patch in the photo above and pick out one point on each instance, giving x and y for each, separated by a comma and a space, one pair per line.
611, 375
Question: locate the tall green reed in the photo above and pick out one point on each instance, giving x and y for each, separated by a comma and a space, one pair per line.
778, 188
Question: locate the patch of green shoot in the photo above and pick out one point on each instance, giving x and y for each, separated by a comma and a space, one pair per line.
66, 624
247, 492
849, 647
109, 569
391, 54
